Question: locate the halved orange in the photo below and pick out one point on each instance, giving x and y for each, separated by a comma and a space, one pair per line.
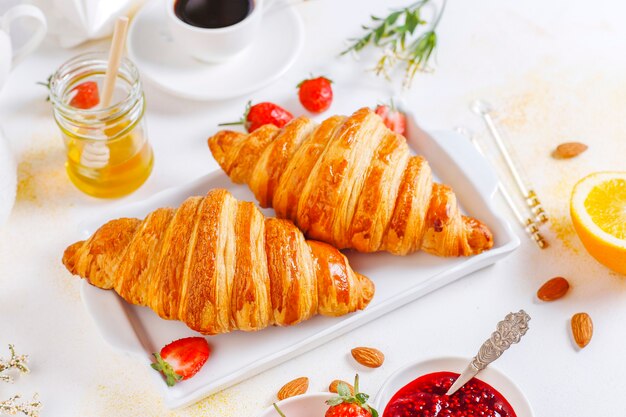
598, 210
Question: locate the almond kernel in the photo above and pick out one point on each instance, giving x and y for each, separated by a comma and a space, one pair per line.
582, 329
292, 388
367, 356
569, 150
553, 289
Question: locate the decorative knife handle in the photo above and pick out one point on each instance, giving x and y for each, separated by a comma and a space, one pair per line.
509, 331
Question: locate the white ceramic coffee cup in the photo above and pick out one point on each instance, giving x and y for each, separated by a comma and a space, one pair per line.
215, 45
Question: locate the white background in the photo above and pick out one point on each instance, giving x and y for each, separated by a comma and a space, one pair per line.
556, 70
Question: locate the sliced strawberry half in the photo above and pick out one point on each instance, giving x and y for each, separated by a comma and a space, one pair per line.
393, 118
181, 359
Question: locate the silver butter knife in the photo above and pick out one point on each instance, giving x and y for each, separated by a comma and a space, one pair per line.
509, 331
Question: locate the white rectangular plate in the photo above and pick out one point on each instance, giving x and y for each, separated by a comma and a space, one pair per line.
399, 280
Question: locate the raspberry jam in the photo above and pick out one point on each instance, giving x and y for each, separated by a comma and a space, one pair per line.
426, 397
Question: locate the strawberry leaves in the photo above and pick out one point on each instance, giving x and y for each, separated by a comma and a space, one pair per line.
343, 390
243, 119
171, 377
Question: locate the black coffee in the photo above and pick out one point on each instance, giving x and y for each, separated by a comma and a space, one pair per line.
212, 13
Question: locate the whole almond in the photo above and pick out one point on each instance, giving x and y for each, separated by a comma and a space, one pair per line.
333, 386
292, 388
553, 289
569, 150
582, 329
367, 356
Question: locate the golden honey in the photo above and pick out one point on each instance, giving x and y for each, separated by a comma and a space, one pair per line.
108, 153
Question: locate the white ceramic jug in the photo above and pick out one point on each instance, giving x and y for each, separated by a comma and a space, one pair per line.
13, 16
8, 58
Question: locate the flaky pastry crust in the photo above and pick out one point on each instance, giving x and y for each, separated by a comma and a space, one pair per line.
219, 265
350, 182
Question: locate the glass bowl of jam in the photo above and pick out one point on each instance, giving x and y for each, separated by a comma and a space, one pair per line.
419, 390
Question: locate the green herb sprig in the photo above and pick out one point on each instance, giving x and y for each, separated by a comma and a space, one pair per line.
397, 35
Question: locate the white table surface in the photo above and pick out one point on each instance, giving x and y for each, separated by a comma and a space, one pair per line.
556, 70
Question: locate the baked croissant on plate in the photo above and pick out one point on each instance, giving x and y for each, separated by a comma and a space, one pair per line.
218, 265
350, 182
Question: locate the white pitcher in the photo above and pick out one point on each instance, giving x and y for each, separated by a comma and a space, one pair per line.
8, 58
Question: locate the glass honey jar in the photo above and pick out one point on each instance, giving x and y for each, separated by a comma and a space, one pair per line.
108, 153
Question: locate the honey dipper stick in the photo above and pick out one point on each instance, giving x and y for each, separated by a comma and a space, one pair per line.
115, 57
96, 155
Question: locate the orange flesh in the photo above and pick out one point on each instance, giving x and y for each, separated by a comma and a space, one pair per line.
606, 205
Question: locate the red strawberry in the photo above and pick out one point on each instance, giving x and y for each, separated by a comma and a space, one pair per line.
349, 405
262, 114
394, 119
181, 359
348, 410
316, 94
86, 95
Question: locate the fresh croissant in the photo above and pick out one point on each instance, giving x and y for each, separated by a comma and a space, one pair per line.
350, 182
218, 265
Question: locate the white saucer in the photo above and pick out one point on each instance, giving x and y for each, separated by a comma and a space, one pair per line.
152, 49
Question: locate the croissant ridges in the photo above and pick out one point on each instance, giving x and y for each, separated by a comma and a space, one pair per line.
219, 265
350, 182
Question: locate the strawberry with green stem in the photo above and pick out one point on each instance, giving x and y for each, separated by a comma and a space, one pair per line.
315, 94
181, 359
347, 404
261, 114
